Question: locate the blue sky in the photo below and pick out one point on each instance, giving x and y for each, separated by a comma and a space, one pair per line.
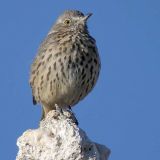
123, 111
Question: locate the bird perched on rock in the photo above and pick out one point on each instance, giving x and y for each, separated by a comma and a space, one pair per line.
67, 65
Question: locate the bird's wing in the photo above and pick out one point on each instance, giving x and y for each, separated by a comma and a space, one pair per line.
41, 52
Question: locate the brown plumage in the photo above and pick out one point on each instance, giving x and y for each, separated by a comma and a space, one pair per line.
67, 65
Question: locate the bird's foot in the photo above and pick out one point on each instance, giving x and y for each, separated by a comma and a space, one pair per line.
66, 111
59, 109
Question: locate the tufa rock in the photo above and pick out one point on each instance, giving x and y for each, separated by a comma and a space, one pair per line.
59, 138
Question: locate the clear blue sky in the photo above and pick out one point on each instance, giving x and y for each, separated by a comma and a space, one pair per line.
123, 111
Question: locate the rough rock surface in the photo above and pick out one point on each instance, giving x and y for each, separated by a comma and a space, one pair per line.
59, 138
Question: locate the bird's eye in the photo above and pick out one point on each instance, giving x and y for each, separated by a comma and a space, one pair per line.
67, 21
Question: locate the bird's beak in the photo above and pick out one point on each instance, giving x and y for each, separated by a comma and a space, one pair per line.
85, 18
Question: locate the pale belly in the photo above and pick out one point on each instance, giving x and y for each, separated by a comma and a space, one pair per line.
68, 87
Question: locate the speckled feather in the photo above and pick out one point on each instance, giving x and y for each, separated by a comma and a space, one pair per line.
67, 65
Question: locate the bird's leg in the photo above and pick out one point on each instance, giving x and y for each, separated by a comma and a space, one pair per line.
45, 110
59, 109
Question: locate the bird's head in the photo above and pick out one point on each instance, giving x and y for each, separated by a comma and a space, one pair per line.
71, 20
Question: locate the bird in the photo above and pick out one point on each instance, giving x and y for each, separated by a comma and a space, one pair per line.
67, 65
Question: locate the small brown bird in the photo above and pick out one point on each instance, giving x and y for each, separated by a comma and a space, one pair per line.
67, 65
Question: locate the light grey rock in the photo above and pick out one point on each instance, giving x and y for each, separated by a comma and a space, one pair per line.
59, 138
